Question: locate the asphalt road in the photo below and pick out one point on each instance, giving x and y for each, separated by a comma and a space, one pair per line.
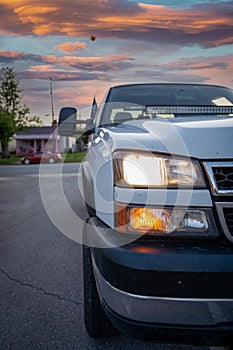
41, 300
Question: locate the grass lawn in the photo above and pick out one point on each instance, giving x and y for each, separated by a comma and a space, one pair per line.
73, 157
12, 160
68, 158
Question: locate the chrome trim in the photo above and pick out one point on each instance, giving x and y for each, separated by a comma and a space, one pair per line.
220, 206
201, 312
208, 167
185, 197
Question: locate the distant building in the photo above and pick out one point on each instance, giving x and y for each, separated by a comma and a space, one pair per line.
41, 138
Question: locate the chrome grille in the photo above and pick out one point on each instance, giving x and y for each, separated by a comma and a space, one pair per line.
225, 215
228, 213
223, 177
220, 175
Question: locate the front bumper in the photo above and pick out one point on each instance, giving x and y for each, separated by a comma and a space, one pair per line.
159, 288
220, 335
165, 310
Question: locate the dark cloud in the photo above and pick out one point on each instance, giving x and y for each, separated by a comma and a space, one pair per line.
162, 75
216, 7
198, 69
209, 24
60, 76
13, 56
164, 36
100, 63
194, 64
197, 64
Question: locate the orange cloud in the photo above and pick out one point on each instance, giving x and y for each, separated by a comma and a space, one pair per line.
94, 63
70, 47
209, 25
217, 70
188, 20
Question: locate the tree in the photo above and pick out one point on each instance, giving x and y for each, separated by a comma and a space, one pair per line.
13, 114
6, 130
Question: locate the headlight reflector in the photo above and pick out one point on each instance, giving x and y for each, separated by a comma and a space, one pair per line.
146, 169
165, 221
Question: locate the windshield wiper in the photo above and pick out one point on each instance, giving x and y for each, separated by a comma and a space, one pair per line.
109, 124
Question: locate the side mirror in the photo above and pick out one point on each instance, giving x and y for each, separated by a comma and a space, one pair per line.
69, 125
66, 122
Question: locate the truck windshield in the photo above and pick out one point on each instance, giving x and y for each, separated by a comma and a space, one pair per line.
129, 102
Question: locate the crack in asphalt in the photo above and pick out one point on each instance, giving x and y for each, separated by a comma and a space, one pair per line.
24, 284
23, 220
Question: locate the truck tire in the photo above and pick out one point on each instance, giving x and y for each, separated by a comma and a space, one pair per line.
91, 211
96, 322
51, 160
26, 161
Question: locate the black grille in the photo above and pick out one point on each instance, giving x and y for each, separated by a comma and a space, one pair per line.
224, 178
228, 213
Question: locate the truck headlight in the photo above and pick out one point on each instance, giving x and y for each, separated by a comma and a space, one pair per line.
146, 169
167, 221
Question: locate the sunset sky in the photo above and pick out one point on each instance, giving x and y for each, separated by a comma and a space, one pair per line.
147, 41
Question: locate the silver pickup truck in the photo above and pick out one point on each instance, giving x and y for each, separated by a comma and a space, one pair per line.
157, 182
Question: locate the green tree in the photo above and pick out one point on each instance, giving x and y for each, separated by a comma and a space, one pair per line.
13, 114
6, 130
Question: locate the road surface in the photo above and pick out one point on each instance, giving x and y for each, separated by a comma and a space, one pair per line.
41, 299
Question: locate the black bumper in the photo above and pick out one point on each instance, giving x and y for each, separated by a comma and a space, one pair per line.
221, 335
168, 270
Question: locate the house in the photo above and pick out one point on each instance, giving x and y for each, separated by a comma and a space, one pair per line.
41, 138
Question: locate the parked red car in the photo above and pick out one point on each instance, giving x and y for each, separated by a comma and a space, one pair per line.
41, 157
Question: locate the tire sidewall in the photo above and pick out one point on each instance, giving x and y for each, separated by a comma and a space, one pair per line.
51, 160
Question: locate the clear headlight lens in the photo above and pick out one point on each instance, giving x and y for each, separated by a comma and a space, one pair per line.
152, 170
167, 221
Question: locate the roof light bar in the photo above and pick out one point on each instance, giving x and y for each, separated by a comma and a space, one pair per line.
189, 109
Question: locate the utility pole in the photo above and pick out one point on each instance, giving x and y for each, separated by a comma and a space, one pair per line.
51, 94
52, 110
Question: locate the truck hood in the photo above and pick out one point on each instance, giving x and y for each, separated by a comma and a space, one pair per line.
202, 138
